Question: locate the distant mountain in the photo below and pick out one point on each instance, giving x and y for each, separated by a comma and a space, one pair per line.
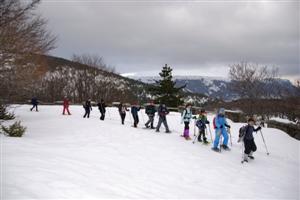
219, 87
50, 79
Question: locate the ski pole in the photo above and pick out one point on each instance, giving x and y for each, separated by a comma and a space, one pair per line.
195, 138
210, 134
220, 142
262, 136
143, 117
243, 149
194, 127
108, 114
130, 118
229, 132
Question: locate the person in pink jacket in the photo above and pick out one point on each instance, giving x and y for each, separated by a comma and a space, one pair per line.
66, 106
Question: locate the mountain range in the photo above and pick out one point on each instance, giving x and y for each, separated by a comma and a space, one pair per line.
219, 87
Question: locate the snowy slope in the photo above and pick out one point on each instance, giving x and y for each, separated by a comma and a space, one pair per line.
71, 157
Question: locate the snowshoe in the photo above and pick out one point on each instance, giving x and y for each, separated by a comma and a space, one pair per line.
216, 149
168, 132
251, 157
206, 142
188, 138
245, 160
225, 147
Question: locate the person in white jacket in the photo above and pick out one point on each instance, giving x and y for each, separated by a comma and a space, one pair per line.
186, 118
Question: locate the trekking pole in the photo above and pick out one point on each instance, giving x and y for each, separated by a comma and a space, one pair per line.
229, 132
243, 149
220, 143
143, 117
262, 136
196, 136
220, 140
194, 127
130, 118
108, 114
210, 134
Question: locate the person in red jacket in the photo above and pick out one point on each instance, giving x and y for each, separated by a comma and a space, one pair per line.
66, 106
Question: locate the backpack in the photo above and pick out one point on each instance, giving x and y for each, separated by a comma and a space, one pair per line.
214, 123
200, 124
184, 113
242, 133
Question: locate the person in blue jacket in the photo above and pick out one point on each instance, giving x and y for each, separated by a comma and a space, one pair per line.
220, 124
134, 111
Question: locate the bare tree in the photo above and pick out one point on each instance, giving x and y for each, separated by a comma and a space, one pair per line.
23, 34
93, 61
252, 81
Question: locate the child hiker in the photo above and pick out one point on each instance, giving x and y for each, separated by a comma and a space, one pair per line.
220, 125
246, 135
201, 124
186, 118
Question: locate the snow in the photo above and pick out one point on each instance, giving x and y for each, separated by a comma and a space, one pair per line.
285, 121
71, 157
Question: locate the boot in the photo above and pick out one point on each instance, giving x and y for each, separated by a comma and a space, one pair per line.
186, 134
246, 157
250, 155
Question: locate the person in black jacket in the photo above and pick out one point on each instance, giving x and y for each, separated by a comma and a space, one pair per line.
150, 111
34, 103
87, 107
249, 143
122, 111
102, 109
134, 111
162, 113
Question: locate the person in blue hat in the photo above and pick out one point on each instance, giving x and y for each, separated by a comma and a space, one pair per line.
220, 124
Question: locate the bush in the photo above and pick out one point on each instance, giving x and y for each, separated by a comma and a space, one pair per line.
4, 115
15, 130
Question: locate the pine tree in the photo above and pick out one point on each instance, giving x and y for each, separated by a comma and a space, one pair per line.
165, 91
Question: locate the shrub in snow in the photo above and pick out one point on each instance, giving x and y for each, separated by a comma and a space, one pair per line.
14, 130
4, 115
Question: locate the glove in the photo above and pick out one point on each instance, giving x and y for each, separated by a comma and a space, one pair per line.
258, 128
228, 126
221, 126
207, 122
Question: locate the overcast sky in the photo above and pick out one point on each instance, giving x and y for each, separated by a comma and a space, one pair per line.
193, 37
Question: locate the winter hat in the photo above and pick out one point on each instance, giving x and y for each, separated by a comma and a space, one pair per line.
251, 119
222, 111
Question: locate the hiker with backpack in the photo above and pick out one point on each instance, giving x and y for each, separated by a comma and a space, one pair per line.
186, 118
35, 104
150, 111
220, 124
88, 108
246, 136
201, 124
162, 114
102, 108
122, 111
134, 111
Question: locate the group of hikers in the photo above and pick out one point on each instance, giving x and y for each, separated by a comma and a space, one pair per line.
222, 128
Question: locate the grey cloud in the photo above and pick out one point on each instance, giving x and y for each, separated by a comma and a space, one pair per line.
139, 37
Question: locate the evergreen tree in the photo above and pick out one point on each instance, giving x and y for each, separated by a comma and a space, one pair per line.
165, 91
